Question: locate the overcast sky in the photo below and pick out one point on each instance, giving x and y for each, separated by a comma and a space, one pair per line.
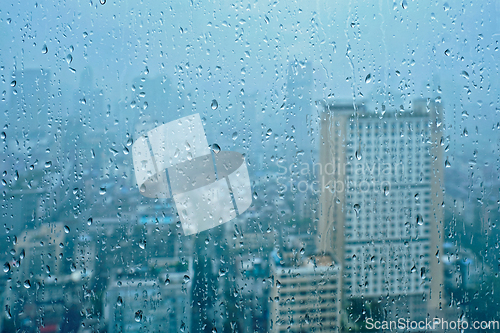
213, 49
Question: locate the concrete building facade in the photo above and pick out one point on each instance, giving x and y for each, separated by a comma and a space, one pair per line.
381, 203
305, 296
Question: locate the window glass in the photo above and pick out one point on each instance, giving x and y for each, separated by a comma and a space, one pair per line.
249, 166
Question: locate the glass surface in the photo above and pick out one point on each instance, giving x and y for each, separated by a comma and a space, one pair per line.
249, 166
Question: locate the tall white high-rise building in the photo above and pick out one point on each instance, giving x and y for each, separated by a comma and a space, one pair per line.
381, 205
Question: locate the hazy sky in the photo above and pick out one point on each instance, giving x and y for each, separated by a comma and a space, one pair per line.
214, 49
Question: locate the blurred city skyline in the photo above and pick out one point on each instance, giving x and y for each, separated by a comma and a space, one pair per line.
221, 49
290, 86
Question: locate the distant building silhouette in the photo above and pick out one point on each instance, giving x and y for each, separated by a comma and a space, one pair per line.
29, 103
152, 101
298, 108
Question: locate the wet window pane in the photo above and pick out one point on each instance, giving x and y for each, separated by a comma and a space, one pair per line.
249, 166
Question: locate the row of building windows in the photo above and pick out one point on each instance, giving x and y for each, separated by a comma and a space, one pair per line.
363, 125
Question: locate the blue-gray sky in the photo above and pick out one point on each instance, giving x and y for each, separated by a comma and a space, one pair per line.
214, 49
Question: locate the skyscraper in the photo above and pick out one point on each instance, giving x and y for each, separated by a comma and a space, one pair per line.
298, 105
153, 101
29, 102
381, 213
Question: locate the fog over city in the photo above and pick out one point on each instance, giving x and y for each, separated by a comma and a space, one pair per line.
248, 166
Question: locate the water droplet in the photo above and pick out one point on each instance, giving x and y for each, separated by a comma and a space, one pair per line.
102, 2
48, 164
6, 267
422, 273
69, 58
45, 49
167, 281
465, 75
89, 221
447, 164
446, 6
357, 208
358, 155
142, 244
102, 191
13, 83
447, 52
27, 284
269, 133
413, 269
66, 229
235, 135
368, 78
420, 219
215, 148
142, 189
255, 195
386, 190
72, 267
138, 316
3, 135
7, 312
119, 301
186, 278
404, 4
214, 104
